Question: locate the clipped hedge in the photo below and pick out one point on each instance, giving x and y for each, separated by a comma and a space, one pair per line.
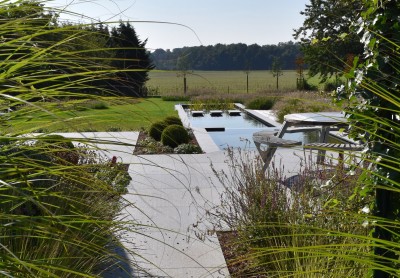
174, 135
173, 120
157, 129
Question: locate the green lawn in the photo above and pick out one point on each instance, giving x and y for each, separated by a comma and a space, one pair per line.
122, 114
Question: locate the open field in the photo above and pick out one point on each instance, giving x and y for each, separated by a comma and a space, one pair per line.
106, 114
171, 82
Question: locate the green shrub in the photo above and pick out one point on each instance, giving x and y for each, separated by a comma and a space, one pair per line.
151, 146
211, 103
56, 140
330, 86
308, 86
188, 149
48, 193
114, 129
173, 120
303, 84
174, 135
157, 129
279, 229
90, 104
95, 104
261, 104
299, 106
55, 148
80, 108
292, 106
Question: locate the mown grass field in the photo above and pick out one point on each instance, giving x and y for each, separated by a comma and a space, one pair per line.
171, 82
107, 114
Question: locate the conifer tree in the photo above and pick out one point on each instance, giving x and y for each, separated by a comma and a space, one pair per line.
132, 58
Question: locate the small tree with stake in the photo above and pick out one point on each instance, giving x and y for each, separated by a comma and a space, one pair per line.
276, 70
300, 72
247, 72
183, 65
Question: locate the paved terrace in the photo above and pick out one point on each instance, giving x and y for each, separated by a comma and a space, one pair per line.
168, 197
168, 194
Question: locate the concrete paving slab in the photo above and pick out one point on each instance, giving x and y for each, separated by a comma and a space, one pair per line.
119, 144
171, 254
169, 194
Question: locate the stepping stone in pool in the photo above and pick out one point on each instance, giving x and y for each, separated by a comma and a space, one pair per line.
216, 113
197, 113
234, 112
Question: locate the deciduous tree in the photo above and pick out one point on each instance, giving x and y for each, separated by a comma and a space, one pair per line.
374, 116
276, 69
326, 36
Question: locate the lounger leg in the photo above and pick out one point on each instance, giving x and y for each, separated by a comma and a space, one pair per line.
284, 127
341, 160
323, 139
269, 153
266, 155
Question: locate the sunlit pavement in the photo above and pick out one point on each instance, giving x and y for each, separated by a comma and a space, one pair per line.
169, 197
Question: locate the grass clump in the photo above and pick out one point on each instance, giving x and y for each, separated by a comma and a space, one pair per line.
310, 223
261, 103
58, 210
174, 135
98, 105
58, 149
84, 105
302, 103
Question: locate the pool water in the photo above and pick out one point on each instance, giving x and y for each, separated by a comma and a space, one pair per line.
239, 137
239, 130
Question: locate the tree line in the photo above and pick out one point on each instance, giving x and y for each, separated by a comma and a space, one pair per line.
116, 54
237, 56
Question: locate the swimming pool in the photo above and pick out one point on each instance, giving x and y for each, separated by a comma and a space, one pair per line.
225, 121
237, 131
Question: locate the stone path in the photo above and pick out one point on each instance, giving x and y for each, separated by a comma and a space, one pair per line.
168, 194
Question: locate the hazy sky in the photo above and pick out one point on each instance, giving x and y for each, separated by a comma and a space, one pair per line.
210, 21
